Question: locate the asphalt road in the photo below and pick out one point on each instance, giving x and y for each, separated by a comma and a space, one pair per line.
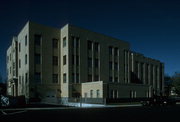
116, 114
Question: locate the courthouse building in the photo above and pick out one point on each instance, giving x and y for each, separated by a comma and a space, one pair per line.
72, 62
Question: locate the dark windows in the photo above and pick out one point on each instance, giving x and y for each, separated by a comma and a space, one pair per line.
26, 59
96, 78
96, 63
55, 43
116, 51
110, 79
73, 59
55, 60
90, 62
64, 78
96, 46
37, 58
26, 78
64, 42
116, 66
110, 50
77, 78
110, 66
77, 60
37, 39
77, 42
55, 78
89, 78
72, 39
64, 60
116, 79
26, 40
89, 45
37, 77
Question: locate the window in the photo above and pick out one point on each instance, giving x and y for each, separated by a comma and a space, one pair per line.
98, 93
72, 39
116, 51
72, 59
37, 59
77, 78
73, 78
110, 50
37, 39
96, 47
77, 60
19, 46
116, 79
116, 66
115, 94
91, 93
96, 63
112, 94
77, 42
64, 60
26, 40
19, 63
110, 79
26, 78
26, 59
89, 45
55, 43
89, 62
55, 60
64, 42
64, 78
37, 77
110, 66
96, 78
89, 78
55, 78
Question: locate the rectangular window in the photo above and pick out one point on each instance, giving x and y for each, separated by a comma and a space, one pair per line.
96, 63
91, 93
26, 78
64, 60
110, 66
77, 78
55, 60
116, 66
64, 42
96, 78
19, 46
77, 60
55, 43
116, 51
110, 50
73, 59
77, 42
37, 59
110, 79
98, 93
96, 47
72, 39
37, 39
64, 78
89, 62
26, 40
55, 78
37, 77
73, 78
89, 45
116, 79
26, 59
89, 78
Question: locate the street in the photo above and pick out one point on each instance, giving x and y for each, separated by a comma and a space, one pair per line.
137, 113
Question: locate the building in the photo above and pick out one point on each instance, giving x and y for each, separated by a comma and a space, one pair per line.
72, 62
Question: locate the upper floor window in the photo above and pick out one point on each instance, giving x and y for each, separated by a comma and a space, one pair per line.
64, 78
37, 39
77, 42
110, 50
96, 46
55, 43
37, 59
55, 60
37, 77
64, 42
64, 60
116, 51
55, 78
89, 45
26, 40
19, 63
26, 59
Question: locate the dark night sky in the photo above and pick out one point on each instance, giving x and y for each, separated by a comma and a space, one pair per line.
152, 27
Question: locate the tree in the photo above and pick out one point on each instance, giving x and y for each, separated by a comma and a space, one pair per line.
176, 83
